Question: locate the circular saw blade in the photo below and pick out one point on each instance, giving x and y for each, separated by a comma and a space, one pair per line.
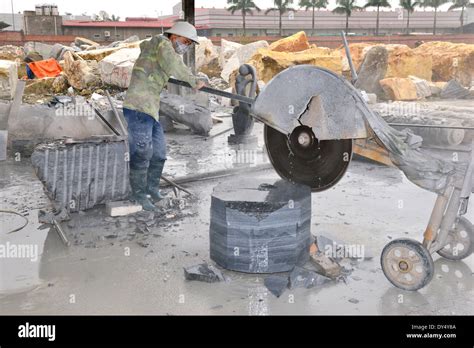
302, 159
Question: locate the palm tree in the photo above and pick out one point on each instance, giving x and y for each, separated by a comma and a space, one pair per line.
245, 6
313, 4
462, 4
409, 6
435, 4
282, 6
346, 7
378, 4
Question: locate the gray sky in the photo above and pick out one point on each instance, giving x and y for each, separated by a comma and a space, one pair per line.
124, 8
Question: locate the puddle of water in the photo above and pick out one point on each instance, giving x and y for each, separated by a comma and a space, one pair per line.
20, 253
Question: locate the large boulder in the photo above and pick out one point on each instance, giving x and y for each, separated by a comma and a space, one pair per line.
227, 50
8, 79
450, 60
423, 89
402, 60
397, 88
294, 43
99, 54
268, 63
372, 70
205, 52
241, 56
116, 69
81, 74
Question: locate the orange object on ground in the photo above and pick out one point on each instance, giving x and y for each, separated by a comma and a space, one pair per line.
45, 68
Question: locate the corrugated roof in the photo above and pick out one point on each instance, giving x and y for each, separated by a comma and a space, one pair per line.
167, 23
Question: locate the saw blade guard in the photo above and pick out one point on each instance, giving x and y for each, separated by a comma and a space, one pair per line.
311, 117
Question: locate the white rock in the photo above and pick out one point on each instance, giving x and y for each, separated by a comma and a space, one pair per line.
205, 52
227, 50
8, 79
423, 89
116, 69
241, 56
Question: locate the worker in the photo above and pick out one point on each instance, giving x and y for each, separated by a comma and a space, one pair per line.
158, 61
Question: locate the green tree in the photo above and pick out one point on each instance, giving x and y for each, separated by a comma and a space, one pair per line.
435, 4
245, 7
346, 7
313, 4
462, 4
281, 6
409, 6
378, 4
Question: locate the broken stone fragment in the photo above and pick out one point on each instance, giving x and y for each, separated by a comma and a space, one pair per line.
276, 284
122, 208
294, 43
116, 69
303, 278
339, 250
183, 110
397, 88
81, 74
372, 70
326, 266
423, 89
454, 90
8, 79
205, 52
203, 273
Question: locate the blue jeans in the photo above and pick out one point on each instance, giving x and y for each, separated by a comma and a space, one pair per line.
146, 139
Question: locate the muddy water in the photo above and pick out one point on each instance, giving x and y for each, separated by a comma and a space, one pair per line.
99, 275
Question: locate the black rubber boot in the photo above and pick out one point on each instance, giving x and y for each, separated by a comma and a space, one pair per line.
138, 183
153, 179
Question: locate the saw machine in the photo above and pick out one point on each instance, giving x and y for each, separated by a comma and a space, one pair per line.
312, 117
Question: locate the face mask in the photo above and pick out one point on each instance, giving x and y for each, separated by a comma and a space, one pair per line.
180, 48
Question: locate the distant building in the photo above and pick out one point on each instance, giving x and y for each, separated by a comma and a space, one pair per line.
118, 30
215, 22
44, 20
220, 22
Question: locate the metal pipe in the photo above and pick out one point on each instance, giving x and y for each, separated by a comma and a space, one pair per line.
114, 109
436, 217
448, 220
61, 233
428, 126
172, 183
349, 58
210, 90
221, 173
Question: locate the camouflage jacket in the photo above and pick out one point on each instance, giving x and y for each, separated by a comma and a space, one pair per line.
157, 62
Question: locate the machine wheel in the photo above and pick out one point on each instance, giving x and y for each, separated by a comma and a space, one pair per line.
407, 264
459, 243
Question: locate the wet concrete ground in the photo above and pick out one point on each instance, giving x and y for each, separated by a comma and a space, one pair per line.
112, 268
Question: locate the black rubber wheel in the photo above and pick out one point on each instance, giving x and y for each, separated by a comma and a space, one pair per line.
459, 243
407, 264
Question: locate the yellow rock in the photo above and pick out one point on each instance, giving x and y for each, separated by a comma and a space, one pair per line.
294, 43
397, 88
402, 60
268, 63
450, 60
